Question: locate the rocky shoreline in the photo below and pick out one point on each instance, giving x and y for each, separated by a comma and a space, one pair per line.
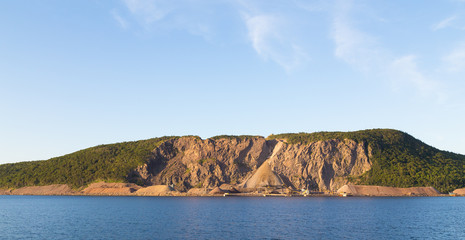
130, 189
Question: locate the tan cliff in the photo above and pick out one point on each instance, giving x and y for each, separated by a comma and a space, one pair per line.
190, 162
195, 166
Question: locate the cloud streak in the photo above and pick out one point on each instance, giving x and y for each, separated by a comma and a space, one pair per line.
267, 40
405, 69
277, 33
352, 45
120, 20
444, 23
149, 11
361, 51
260, 28
455, 60
169, 15
266, 32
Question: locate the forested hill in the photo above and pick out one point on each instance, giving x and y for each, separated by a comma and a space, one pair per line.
397, 159
111, 162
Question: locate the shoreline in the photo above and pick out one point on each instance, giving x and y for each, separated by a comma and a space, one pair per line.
129, 189
238, 196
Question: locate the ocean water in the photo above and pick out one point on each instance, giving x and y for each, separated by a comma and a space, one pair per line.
85, 217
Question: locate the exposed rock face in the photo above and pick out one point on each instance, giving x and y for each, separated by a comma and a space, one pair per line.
190, 162
361, 190
216, 191
228, 188
322, 165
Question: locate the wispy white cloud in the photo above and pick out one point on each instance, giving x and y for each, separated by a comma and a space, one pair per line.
444, 23
187, 15
264, 32
363, 52
455, 60
271, 34
120, 20
352, 45
313, 6
405, 71
260, 28
149, 10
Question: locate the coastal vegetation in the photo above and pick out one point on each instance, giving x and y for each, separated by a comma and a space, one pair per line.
110, 163
399, 160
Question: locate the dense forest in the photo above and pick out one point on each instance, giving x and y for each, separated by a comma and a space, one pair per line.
399, 160
111, 162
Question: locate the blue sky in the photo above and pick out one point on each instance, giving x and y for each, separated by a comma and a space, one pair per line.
74, 74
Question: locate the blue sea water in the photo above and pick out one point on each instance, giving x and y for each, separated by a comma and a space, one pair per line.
86, 217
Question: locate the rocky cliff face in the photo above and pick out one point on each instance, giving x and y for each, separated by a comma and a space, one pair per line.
322, 165
189, 162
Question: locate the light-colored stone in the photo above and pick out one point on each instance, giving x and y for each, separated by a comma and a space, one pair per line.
363, 190
55, 189
117, 189
157, 190
460, 191
189, 162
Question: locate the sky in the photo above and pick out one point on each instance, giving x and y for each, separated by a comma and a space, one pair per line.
75, 74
